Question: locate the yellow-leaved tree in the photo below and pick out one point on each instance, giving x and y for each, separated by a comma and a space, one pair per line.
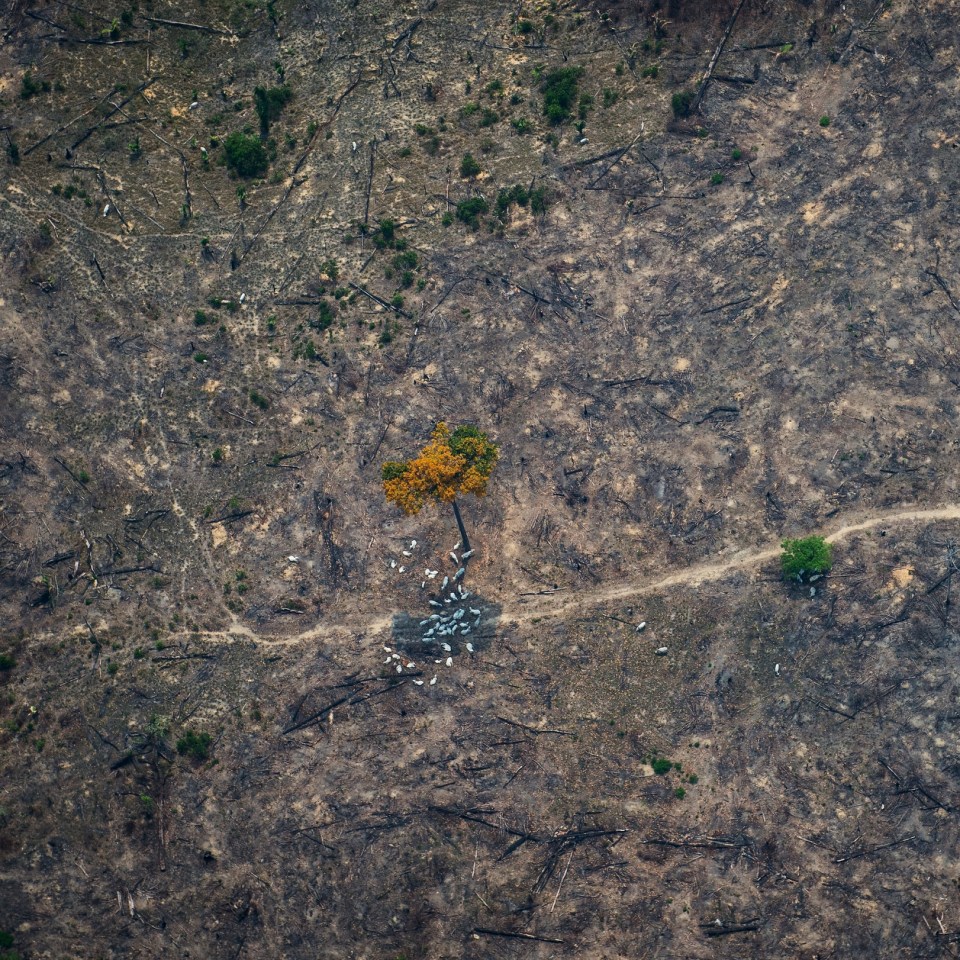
452, 463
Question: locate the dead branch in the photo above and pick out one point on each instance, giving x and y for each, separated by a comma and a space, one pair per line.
483, 931
116, 109
701, 92
180, 25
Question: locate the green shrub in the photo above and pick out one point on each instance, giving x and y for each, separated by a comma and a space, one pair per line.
560, 93
245, 155
269, 104
30, 87
651, 71
717, 179
325, 316
806, 557
679, 793
824, 121
517, 194
661, 766
470, 211
469, 166
194, 745
682, 102
259, 400
385, 235
522, 125
200, 317
6, 662
737, 154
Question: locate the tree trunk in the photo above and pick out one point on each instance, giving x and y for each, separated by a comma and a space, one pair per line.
463, 530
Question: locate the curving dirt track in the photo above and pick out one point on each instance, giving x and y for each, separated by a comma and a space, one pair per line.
555, 605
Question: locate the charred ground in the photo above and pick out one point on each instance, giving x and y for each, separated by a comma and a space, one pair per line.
690, 335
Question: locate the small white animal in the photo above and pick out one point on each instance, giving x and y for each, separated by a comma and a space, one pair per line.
433, 681
449, 661
469, 648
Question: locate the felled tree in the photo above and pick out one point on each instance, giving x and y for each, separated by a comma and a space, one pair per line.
449, 465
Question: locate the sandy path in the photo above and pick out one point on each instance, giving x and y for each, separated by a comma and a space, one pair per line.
558, 604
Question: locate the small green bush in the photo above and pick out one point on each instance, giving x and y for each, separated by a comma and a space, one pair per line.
470, 211
560, 93
651, 72
259, 400
269, 103
194, 745
661, 766
806, 557
469, 166
6, 662
30, 87
245, 155
717, 179
682, 102
824, 121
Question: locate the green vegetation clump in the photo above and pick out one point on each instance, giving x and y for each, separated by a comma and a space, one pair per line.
194, 745
661, 766
682, 103
806, 557
469, 166
6, 662
385, 235
30, 87
245, 155
324, 317
717, 179
269, 103
560, 93
824, 121
259, 400
470, 211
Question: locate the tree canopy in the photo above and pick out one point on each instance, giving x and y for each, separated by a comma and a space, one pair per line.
452, 463
806, 557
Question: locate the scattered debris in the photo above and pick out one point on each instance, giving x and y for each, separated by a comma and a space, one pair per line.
661, 651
